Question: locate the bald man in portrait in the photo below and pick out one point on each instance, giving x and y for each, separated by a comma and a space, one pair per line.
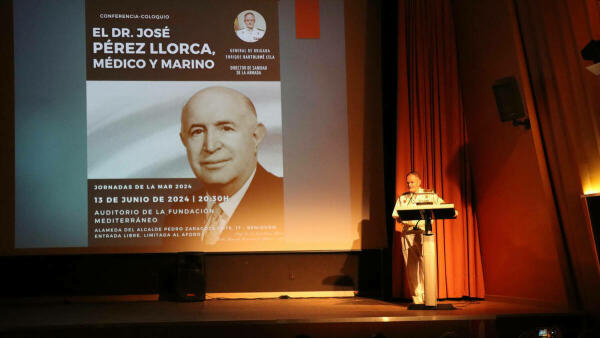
221, 134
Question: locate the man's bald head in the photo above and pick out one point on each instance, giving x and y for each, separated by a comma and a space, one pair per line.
413, 181
218, 93
220, 131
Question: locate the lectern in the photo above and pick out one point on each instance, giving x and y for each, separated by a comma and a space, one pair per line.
426, 211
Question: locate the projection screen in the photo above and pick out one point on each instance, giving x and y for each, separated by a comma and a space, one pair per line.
166, 126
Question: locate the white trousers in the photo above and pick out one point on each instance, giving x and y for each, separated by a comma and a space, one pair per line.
412, 251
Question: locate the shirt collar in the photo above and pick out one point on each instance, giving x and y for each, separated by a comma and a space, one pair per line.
234, 200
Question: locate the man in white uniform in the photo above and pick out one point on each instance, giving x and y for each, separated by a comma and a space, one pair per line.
412, 236
250, 33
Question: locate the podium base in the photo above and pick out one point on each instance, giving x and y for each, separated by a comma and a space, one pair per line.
425, 307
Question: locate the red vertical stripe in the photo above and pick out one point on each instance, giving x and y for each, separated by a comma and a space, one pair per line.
593, 9
307, 19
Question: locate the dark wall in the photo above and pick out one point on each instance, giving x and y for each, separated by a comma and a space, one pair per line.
7, 122
83, 275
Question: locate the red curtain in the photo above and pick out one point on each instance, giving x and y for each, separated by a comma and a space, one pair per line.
567, 99
432, 140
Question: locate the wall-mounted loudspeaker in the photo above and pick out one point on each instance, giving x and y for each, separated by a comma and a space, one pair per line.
591, 52
508, 99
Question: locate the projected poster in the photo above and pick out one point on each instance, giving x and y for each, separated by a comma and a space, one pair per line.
184, 141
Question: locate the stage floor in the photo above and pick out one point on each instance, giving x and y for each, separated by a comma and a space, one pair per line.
34, 315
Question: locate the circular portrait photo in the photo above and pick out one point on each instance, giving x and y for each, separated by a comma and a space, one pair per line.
250, 26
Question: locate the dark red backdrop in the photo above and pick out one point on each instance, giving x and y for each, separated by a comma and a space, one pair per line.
432, 140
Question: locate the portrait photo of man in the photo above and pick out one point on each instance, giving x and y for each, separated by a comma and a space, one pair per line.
221, 134
253, 28
219, 141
